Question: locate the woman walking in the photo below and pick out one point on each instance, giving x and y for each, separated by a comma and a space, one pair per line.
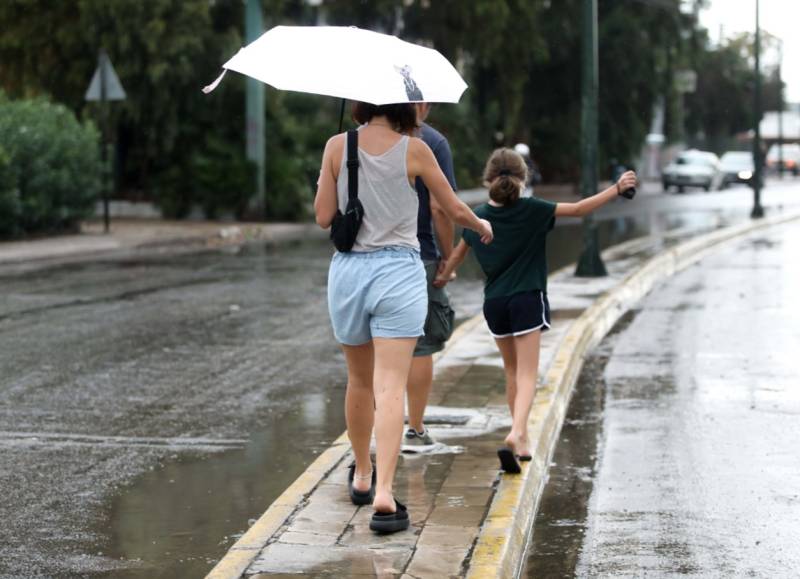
377, 292
515, 293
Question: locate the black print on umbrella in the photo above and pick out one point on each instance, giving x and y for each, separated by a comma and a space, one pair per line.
412, 90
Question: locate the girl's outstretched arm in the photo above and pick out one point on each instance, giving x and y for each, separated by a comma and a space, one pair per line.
586, 206
456, 259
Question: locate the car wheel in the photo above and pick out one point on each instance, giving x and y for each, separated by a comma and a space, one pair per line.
681, 189
666, 187
706, 188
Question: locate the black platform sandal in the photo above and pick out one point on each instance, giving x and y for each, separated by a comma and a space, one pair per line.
385, 523
508, 462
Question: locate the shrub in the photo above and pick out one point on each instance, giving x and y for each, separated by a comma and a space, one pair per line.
49, 169
223, 178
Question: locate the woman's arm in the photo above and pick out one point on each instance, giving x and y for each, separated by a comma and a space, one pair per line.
422, 163
443, 229
326, 202
586, 206
456, 259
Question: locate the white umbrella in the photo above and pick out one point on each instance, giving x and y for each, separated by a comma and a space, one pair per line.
348, 63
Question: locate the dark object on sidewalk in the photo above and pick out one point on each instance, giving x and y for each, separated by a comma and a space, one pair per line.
628, 193
386, 523
508, 462
524, 457
360, 497
344, 228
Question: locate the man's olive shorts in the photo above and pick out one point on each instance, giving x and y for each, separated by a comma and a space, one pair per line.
439, 322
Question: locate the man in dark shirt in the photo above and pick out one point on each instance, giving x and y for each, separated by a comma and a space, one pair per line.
435, 233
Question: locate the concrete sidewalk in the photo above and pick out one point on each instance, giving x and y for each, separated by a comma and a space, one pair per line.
467, 518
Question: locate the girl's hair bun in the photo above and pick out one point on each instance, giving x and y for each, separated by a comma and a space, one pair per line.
505, 175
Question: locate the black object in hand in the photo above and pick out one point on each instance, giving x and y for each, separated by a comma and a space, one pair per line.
629, 193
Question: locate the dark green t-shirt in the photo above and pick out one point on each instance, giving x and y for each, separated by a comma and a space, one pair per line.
515, 260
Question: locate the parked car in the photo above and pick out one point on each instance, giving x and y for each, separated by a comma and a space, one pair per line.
791, 157
737, 167
692, 168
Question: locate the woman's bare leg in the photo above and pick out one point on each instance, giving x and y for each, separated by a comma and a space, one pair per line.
392, 363
509, 354
359, 408
527, 354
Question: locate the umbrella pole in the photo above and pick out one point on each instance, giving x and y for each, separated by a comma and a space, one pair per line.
341, 116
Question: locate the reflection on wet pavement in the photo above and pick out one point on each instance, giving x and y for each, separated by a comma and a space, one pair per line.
680, 458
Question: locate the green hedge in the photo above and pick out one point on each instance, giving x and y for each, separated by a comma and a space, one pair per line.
49, 167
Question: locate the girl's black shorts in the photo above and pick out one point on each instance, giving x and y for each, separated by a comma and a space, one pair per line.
518, 314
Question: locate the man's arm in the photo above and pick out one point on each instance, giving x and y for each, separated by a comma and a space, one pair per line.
443, 227
455, 260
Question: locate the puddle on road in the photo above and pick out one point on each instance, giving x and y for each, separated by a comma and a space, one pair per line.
178, 520
560, 523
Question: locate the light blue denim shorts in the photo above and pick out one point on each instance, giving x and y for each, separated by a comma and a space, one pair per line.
377, 294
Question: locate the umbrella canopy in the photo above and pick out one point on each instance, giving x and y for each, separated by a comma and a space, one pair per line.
348, 63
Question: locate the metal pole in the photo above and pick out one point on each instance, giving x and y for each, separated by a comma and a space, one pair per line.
590, 264
758, 210
254, 105
341, 116
780, 112
101, 61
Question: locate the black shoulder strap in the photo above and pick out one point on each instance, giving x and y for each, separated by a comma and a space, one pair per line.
352, 164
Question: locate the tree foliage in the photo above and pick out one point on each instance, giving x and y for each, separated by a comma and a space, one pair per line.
722, 105
521, 58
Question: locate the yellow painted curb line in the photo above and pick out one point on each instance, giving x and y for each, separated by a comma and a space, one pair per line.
501, 545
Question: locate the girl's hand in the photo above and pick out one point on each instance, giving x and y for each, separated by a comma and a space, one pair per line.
441, 268
486, 232
440, 281
627, 181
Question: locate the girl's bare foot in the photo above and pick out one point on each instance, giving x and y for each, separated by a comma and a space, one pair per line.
519, 444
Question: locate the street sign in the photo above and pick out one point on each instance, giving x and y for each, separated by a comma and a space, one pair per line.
105, 74
685, 81
105, 86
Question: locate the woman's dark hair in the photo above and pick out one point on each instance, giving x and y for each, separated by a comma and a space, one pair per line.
504, 175
402, 116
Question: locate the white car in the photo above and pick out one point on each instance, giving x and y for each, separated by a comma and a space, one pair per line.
692, 168
791, 157
737, 167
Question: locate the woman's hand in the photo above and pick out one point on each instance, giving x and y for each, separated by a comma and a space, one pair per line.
627, 181
485, 232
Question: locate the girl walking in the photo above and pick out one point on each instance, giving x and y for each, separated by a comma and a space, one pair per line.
515, 292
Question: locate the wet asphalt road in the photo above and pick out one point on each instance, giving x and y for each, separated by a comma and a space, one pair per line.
679, 454
150, 405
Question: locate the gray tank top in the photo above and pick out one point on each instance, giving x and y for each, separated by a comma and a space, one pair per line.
390, 202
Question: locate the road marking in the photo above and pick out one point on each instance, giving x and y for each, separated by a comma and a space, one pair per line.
19, 439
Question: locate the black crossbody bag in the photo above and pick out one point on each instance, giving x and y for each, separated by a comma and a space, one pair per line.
345, 226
